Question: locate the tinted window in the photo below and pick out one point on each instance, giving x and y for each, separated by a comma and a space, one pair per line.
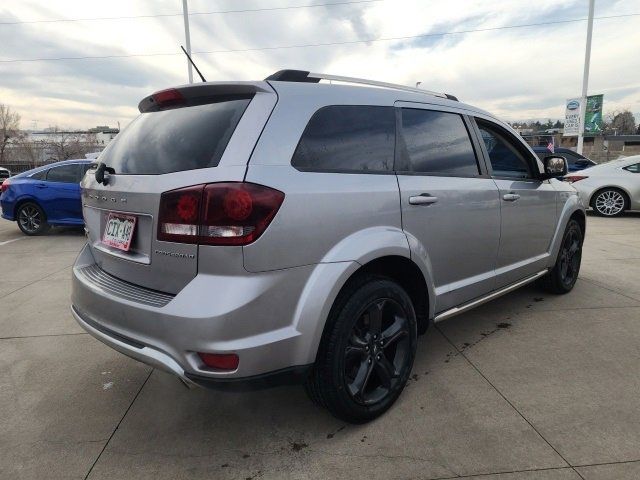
173, 140
436, 142
64, 174
348, 138
505, 159
635, 168
41, 175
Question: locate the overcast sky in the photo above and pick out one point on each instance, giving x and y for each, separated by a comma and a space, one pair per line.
516, 73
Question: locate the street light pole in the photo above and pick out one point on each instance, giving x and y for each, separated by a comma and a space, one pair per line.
585, 78
187, 36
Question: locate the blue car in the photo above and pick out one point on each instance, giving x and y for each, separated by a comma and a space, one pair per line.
45, 196
575, 161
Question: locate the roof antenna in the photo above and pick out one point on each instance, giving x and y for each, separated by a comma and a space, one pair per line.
194, 65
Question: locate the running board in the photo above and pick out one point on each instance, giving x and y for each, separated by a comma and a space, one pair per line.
479, 301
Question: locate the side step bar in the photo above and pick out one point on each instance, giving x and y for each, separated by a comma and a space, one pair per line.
479, 301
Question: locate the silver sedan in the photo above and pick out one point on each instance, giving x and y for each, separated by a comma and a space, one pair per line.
610, 188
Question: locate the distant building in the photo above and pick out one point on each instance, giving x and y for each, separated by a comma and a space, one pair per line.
104, 134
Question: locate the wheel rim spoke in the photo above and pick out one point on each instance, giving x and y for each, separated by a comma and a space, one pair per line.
385, 370
394, 332
359, 384
375, 318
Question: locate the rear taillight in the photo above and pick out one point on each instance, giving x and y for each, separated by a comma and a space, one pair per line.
5, 185
574, 178
217, 213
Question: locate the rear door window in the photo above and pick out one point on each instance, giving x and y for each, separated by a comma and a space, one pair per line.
436, 143
635, 168
178, 139
348, 138
504, 155
64, 174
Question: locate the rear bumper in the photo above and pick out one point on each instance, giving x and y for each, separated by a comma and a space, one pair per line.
256, 316
162, 361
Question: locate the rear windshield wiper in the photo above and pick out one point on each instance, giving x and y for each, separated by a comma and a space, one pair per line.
100, 173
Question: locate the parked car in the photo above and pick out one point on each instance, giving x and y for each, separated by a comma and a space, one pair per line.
45, 196
575, 160
252, 233
4, 174
610, 188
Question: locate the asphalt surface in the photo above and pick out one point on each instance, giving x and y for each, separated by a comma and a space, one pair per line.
530, 386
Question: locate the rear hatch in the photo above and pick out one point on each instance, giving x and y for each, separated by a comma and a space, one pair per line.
191, 135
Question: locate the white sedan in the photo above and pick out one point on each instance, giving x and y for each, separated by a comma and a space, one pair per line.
610, 188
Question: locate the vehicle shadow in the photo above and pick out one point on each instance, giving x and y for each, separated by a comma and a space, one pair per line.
65, 231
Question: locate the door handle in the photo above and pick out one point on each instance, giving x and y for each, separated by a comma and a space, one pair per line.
510, 197
422, 199
40, 185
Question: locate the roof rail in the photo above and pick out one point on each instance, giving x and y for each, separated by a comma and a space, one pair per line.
304, 76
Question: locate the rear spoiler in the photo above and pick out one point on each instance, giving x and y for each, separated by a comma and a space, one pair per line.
200, 93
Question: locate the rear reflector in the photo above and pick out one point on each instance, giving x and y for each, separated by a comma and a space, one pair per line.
220, 361
574, 178
229, 213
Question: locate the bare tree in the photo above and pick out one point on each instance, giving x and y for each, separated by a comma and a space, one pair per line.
620, 123
9, 127
28, 151
64, 145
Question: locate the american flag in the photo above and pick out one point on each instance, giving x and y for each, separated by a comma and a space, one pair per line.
551, 146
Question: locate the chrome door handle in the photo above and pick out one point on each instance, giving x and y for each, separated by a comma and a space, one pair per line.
510, 197
423, 199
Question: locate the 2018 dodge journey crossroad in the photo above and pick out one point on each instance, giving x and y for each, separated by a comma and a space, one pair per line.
258, 233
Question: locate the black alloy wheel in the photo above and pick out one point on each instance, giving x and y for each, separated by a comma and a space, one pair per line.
377, 351
367, 350
564, 274
31, 219
570, 257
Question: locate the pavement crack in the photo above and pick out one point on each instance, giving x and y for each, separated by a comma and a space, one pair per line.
118, 425
509, 402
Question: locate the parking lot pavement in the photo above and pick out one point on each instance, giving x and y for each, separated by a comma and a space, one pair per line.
530, 386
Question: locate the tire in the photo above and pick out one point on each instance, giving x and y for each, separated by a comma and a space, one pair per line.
562, 277
610, 202
366, 352
31, 219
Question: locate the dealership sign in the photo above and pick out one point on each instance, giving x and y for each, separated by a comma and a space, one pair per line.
593, 116
572, 118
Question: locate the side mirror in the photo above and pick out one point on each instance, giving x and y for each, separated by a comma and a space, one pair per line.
554, 166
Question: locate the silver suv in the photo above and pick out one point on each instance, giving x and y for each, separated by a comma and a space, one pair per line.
256, 233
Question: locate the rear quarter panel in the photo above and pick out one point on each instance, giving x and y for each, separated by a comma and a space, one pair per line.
21, 190
325, 217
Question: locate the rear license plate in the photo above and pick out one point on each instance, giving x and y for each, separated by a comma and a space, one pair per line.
118, 232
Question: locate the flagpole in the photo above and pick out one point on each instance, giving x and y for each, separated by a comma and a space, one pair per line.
585, 78
187, 36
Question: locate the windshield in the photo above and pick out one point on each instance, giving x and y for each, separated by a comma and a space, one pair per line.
173, 140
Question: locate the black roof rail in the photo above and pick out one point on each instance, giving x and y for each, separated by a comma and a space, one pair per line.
308, 77
292, 76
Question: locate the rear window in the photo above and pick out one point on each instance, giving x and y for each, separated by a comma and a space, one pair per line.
64, 174
173, 140
348, 138
436, 143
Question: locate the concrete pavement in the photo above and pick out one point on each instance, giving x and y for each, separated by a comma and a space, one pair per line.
530, 386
